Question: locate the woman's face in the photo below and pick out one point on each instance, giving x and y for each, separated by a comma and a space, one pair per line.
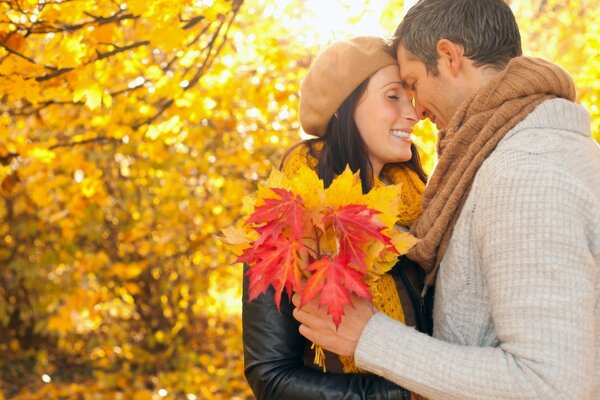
385, 117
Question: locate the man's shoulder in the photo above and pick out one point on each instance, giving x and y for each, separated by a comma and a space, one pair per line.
555, 135
552, 146
548, 126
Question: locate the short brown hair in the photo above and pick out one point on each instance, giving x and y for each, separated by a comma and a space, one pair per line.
486, 29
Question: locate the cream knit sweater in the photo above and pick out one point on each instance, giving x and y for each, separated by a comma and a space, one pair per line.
517, 308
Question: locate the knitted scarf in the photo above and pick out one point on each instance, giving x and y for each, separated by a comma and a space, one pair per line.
471, 136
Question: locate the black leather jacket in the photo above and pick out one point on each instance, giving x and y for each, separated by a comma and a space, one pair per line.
274, 353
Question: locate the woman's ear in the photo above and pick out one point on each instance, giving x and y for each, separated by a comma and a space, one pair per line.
450, 56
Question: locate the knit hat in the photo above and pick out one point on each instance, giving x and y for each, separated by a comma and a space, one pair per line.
334, 75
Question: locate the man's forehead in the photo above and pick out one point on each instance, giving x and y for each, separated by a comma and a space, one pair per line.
402, 53
406, 62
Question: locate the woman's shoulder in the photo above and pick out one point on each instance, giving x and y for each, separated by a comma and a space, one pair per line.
304, 153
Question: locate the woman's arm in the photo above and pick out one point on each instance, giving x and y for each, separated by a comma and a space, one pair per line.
274, 367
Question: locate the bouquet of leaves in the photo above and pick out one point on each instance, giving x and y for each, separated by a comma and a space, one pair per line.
320, 242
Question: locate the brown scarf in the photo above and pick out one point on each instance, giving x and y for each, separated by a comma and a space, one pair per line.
473, 133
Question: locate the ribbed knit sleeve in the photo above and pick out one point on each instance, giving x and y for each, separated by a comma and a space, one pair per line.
536, 239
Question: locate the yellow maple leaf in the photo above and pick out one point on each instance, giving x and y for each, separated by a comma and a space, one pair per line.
345, 189
402, 241
304, 183
379, 260
385, 199
379, 264
71, 52
307, 185
277, 179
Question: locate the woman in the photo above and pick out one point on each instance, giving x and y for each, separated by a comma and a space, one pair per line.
352, 99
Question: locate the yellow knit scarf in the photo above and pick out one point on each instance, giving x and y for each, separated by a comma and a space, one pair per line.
385, 294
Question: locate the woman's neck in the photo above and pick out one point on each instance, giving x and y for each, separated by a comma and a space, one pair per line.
376, 169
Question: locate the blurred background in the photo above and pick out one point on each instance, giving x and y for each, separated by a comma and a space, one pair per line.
129, 133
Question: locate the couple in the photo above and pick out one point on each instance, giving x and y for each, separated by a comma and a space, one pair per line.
509, 224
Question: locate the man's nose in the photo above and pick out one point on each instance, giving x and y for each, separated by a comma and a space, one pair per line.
422, 112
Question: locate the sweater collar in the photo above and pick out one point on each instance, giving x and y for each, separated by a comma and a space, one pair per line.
557, 114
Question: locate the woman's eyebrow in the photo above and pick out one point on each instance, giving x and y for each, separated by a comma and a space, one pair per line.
393, 83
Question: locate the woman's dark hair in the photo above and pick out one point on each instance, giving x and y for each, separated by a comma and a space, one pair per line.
343, 145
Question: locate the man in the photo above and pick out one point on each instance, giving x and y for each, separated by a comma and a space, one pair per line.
510, 233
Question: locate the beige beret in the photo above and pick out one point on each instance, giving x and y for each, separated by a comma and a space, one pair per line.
334, 75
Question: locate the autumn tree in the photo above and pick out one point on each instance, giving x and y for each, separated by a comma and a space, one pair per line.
106, 157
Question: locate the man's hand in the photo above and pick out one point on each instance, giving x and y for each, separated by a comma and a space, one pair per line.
317, 326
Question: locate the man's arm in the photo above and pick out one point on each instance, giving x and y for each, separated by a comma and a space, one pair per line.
541, 276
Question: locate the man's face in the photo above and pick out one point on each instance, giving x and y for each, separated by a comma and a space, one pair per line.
436, 97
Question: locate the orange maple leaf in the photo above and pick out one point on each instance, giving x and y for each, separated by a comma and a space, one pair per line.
278, 213
334, 280
276, 262
356, 225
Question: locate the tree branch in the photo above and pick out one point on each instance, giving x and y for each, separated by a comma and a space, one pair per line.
54, 74
101, 140
16, 53
121, 49
203, 67
44, 29
100, 56
193, 22
29, 110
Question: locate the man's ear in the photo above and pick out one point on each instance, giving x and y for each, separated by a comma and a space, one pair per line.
450, 55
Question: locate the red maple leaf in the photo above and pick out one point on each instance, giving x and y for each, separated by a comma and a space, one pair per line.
276, 262
278, 213
333, 280
356, 225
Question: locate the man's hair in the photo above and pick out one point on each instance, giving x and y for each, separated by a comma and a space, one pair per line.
486, 29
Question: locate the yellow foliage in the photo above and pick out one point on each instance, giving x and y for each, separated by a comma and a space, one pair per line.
44, 155
70, 52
